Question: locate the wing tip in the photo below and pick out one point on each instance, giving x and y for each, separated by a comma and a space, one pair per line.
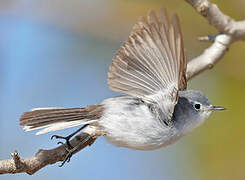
146, 26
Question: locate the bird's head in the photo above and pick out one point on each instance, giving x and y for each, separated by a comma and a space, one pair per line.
194, 108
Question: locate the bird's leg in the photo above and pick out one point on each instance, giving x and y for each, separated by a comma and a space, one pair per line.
74, 149
67, 138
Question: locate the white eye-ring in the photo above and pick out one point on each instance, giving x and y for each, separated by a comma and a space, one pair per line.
197, 106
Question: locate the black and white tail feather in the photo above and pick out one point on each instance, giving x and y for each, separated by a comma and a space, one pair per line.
53, 119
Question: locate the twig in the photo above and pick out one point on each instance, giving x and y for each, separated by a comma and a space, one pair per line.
210, 56
220, 21
230, 29
41, 159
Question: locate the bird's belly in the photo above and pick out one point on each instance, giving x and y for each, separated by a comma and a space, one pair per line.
132, 125
137, 132
142, 144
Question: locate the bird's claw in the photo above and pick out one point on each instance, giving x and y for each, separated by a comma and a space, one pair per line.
68, 148
67, 138
60, 143
56, 137
68, 157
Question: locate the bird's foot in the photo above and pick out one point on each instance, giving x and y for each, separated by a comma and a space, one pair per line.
67, 138
68, 147
68, 155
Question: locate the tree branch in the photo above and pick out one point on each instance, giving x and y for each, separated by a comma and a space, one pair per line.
209, 57
220, 21
230, 29
41, 159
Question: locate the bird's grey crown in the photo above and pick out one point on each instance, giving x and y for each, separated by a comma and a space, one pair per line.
186, 117
195, 96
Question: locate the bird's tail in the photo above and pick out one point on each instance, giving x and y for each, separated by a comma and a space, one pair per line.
52, 119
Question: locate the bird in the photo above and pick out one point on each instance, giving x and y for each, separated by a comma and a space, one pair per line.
156, 109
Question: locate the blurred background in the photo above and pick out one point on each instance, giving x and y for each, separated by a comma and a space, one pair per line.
57, 53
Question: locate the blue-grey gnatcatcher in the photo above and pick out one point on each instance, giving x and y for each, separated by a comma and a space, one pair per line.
150, 68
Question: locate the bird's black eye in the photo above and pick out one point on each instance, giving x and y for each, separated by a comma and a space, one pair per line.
197, 106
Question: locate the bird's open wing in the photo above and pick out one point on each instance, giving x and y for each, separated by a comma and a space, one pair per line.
151, 64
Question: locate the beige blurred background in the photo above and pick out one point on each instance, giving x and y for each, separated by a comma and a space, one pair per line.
93, 31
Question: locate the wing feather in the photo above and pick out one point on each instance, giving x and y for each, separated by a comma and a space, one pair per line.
151, 64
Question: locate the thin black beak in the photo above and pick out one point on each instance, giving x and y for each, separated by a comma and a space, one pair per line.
217, 108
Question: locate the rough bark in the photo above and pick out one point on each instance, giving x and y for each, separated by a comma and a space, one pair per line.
41, 159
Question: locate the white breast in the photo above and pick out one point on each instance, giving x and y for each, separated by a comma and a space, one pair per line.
130, 124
